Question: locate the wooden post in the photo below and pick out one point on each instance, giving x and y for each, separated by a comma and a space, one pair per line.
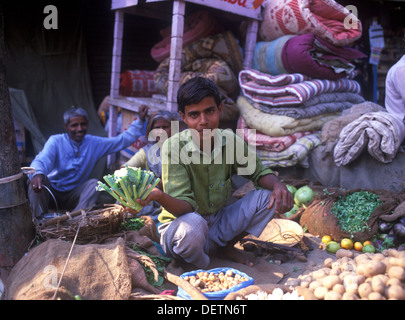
175, 53
251, 37
16, 228
115, 78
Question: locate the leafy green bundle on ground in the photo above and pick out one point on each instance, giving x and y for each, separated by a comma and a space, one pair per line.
133, 224
160, 263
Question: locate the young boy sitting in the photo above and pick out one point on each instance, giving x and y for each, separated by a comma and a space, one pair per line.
197, 166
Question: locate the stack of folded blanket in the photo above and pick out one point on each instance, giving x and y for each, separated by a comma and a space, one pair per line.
307, 54
290, 107
302, 77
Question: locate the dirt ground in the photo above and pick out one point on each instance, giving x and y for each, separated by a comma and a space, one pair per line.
315, 257
271, 270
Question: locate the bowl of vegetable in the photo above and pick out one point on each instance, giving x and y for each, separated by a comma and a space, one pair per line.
216, 283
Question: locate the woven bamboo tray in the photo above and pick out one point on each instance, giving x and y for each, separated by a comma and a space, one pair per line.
95, 225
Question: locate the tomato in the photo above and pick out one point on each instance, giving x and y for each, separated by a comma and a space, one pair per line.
346, 243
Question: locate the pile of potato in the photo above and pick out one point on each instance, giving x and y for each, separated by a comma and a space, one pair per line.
353, 276
212, 282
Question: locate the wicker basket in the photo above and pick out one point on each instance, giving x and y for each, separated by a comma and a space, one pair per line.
95, 225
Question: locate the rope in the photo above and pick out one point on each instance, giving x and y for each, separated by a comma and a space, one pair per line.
14, 205
14, 178
11, 178
287, 235
54, 199
28, 170
70, 252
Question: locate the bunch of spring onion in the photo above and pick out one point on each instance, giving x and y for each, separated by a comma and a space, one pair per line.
128, 184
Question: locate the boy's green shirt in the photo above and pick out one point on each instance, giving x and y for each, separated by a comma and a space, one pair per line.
203, 180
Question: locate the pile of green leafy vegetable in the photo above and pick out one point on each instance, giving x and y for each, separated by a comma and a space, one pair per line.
128, 184
354, 210
133, 224
160, 263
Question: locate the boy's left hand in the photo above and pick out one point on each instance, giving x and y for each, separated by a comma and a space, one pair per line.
281, 198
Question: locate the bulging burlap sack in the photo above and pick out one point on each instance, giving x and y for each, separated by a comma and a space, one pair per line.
94, 272
398, 213
331, 130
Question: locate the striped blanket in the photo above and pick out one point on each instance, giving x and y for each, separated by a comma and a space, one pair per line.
296, 154
278, 125
320, 104
289, 89
265, 142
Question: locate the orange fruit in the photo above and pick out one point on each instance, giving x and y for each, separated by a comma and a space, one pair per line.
358, 246
346, 243
367, 242
326, 239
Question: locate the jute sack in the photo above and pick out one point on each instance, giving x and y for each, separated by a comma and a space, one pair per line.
331, 130
398, 213
94, 272
319, 219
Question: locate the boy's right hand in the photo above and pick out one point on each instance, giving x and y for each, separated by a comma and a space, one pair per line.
155, 194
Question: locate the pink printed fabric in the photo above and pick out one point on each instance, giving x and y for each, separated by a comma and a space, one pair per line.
198, 25
265, 142
324, 18
289, 89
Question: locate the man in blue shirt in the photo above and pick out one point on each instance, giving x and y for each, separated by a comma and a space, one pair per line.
64, 165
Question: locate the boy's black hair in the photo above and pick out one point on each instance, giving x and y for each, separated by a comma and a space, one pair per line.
195, 90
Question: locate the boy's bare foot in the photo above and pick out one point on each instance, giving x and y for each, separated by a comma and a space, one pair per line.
236, 255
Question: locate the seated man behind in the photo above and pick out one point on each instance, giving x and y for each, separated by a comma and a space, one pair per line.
67, 160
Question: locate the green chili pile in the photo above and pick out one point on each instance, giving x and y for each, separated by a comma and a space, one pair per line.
354, 210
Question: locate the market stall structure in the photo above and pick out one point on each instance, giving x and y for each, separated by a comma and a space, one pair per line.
246, 10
